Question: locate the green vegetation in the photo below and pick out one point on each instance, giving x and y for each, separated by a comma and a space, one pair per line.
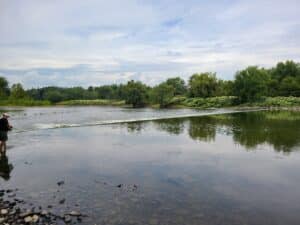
203, 85
253, 86
103, 102
163, 94
211, 102
24, 102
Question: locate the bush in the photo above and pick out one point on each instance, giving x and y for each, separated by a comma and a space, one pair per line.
213, 102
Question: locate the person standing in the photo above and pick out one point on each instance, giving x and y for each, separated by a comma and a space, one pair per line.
4, 128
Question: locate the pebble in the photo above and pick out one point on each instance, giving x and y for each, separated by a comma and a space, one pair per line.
67, 219
4, 211
44, 213
35, 218
11, 212
74, 213
59, 183
28, 219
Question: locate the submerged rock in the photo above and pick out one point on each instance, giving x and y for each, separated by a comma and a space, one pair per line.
59, 183
74, 213
11, 213
62, 201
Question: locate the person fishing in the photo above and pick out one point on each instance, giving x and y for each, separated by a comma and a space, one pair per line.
4, 128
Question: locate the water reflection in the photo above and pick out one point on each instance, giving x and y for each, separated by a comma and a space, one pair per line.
5, 167
281, 129
172, 126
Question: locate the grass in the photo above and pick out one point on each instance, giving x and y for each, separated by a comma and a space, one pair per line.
23, 102
103, 102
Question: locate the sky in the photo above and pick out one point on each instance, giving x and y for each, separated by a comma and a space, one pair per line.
96, 42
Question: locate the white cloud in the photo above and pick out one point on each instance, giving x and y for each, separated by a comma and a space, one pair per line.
148, 40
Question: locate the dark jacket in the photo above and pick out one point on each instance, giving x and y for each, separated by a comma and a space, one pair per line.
4, 125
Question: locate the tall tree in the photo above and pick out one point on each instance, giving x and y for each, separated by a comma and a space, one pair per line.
17, 91
163, 94
251, 84
178, 84
136, 94
203, 85
4, 88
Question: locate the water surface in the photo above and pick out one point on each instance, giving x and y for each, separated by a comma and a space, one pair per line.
239, 168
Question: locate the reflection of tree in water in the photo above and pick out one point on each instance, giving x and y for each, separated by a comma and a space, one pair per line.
135, 127
172, 126
5, 167
202, 128
280, 129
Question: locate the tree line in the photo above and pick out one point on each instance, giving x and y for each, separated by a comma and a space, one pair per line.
249, 85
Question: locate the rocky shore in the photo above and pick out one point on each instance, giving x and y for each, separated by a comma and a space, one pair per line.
14, 210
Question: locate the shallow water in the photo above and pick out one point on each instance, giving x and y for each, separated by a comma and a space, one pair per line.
240, 168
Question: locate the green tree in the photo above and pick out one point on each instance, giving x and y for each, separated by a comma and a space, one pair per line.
178, 84
286, 69
53, 96
17, 91
163, 94
290, 86
224, 88
251, 84
285, 79
136, 94
203, 85
4, 88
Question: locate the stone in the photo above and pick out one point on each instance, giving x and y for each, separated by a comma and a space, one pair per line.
67, 219
74, 213
35, 218
60, 183
11, 195
62, 201
28, 219
44, 213
4, 211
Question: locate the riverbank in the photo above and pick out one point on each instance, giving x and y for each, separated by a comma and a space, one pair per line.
176, 102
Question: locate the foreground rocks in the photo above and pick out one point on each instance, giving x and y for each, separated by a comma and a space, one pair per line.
15, 211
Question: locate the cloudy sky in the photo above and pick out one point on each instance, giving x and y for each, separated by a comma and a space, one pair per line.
95, 42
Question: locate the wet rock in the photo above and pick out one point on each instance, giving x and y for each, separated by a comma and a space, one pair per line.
62, 201
26, 214
11, 195
44, 213
119, 186
4, 211
59, 183
74, 213
28, 219
35, 218
67, 219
